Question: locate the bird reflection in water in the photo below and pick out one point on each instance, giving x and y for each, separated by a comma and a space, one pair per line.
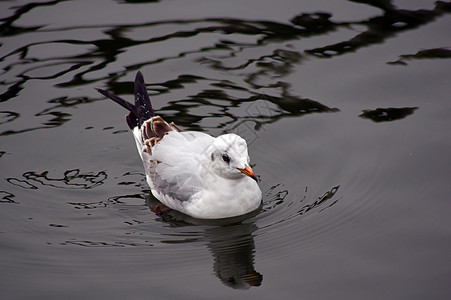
229, 240
233, 252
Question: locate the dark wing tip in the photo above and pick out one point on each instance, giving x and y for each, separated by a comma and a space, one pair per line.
103, 92
131, 117
139, 77
143, 107
125, 104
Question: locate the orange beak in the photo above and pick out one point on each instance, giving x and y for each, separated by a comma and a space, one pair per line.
248, 171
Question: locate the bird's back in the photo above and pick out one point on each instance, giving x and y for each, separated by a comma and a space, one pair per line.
172, 167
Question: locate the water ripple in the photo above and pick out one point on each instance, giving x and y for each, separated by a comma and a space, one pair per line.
268, 58
72, 179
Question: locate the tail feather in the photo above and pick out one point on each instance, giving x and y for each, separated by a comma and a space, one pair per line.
142, 110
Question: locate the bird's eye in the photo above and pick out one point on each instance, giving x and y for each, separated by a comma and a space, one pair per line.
226, 158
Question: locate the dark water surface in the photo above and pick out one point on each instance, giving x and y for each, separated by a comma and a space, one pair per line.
346, 109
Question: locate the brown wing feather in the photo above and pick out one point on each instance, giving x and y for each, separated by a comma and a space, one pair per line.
154, 129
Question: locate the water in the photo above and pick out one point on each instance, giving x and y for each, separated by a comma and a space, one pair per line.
345, 107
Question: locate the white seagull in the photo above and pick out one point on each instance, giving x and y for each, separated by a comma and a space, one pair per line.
192, 172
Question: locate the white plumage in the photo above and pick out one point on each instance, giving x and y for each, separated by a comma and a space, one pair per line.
192, 172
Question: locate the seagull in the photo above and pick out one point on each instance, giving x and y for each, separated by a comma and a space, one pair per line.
189, 171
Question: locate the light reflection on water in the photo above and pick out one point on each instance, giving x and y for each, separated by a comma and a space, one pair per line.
334, 176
